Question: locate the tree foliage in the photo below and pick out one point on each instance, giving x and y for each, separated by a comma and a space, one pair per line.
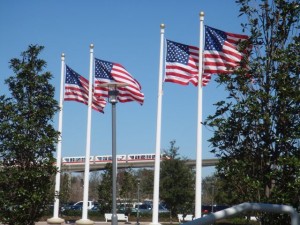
105, 190
127, 184
94, 182
257, 127
147, 182
65, 191
27, 140
176, 182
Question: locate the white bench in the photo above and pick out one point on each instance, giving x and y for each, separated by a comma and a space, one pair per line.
120, 216
188, 217
252, 218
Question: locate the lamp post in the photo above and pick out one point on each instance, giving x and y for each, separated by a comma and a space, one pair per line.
212, 197
112, 98
138, 199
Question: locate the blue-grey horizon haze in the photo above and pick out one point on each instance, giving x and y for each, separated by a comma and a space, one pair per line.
125, 32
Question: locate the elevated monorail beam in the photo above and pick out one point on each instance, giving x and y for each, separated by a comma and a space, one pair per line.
95, 167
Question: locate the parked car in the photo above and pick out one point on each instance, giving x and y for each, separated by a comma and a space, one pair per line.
147, 208
76, 207
66, 206
143, 208
79, 205
135, 206
162, 209
96, 207
124, 208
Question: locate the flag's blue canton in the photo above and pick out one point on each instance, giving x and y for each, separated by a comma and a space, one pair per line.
177, 52
72, 77
103, 69
214, 39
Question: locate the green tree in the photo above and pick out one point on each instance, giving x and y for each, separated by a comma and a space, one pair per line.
176, 182
213, 191
76, 188
105, 190
27, 140
146, 184
257, 127
209, 185
127, 184
65, 189
95, 178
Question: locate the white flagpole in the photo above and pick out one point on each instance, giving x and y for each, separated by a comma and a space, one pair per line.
158, 132
84, 219
198, 197
55, 219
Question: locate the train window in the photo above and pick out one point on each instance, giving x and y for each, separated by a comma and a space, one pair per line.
121, 157
80, 159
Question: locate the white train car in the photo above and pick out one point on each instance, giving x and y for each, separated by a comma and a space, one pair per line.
108, 158
99, 159
76, 160
140, 157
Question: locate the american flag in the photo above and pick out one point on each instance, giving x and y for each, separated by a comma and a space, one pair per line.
107, 72
182, 64
77, 89
221, 54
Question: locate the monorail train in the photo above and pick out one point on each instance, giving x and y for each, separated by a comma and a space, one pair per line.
108, 158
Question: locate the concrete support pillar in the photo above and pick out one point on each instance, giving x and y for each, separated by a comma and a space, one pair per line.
84, 222
55, 221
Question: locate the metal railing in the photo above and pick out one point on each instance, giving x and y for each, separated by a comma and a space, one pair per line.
244, 207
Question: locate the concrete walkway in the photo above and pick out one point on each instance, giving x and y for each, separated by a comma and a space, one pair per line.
97, 223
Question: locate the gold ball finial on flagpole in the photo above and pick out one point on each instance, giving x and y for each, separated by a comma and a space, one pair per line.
62, 55
91, 46
162, 26
201, 13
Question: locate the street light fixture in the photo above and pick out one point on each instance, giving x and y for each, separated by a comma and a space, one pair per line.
112, 98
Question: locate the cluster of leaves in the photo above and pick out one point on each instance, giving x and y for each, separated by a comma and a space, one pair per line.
257, 128
105, 190
177, 182
27, 140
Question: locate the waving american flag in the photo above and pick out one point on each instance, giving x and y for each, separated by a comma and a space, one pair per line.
107, 72
221, 53
182, 64
77, 89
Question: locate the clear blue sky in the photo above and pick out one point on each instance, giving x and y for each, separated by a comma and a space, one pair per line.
126, 32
